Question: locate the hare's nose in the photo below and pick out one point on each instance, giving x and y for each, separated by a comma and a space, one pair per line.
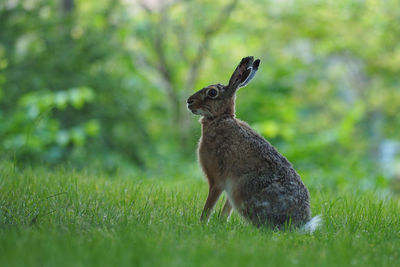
190, 101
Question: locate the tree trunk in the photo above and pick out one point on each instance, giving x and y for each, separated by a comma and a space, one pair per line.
67, 6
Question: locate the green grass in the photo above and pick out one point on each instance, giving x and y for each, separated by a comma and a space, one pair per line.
67, 218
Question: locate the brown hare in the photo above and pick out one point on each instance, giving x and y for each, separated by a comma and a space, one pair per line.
259, 182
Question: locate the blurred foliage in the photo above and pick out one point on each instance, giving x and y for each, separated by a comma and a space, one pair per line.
43, 134
107, 81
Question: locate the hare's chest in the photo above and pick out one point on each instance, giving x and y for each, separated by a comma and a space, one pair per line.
214, 147
212, 156
207, 155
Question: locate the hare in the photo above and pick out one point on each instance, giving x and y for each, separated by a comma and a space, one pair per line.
259, 182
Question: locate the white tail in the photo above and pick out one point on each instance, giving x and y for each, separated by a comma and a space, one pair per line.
312, 224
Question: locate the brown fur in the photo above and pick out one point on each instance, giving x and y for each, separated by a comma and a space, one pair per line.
260, 183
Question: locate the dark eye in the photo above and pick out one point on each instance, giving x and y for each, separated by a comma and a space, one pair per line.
212, 93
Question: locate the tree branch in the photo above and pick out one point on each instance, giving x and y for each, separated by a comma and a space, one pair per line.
213, 28
157, 43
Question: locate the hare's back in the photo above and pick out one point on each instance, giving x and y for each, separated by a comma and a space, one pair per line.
268, 186
256, 152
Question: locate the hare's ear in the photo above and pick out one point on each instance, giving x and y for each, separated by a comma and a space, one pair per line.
250, 73
243, 73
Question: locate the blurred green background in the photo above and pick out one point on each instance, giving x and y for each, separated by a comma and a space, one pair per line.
103, 84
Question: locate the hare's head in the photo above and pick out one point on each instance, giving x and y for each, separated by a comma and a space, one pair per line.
216, 100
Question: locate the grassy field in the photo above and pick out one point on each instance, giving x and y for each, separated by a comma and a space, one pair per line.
67, 218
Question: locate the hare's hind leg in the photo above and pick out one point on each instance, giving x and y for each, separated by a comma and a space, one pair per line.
226, 210
212, 198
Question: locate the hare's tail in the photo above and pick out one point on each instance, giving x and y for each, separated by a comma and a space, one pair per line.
312, 224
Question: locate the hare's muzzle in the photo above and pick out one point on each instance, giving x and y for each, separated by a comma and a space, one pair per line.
190, 103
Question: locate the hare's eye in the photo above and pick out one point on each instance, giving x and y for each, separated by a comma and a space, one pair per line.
212, 93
